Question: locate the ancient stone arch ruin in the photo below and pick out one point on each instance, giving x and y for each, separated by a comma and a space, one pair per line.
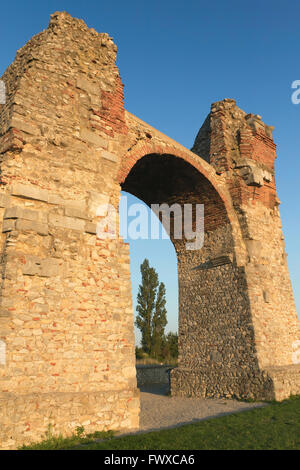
66, 322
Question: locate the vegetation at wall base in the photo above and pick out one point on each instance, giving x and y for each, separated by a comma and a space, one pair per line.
275, 426
59, 442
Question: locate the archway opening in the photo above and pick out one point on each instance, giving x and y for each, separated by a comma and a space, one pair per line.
160, 253
213, 312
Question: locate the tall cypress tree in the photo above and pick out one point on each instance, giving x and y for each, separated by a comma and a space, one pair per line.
146, 303
151, 319
159, 321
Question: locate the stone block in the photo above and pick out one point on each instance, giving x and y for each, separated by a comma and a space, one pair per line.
266, 296
91, 228
67, 222
8, 225
35, 266
13, 213
2, 353
255, 177
49, 267
55, 199
32, 265
17, 212
72, 212
29, 192
4, 200
109, 156
213, 263
88, 86
253, 174
254, 248
4, 313
93, 138
19, 123
77, 209
98, 204
79, 204
30, 225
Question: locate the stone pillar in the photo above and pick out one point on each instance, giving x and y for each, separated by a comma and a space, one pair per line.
242, 151
66, 319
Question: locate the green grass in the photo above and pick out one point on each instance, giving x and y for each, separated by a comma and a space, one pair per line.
59, 442
276, 426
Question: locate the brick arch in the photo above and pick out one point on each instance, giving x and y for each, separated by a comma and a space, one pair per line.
207, 171
146, 148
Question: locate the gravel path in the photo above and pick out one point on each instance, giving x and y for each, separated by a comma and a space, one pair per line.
159, 411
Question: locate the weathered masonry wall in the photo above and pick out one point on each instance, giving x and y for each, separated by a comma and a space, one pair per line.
66, 316
248, 155
240, 147
67, 148
238, 326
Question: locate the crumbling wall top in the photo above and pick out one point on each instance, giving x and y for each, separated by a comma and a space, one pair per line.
61, 21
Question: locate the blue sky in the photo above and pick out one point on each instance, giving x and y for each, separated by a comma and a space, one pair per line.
162, 257
176, 58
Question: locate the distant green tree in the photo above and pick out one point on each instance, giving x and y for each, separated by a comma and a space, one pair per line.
138, 353
170, 347
151, 312
172, 340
